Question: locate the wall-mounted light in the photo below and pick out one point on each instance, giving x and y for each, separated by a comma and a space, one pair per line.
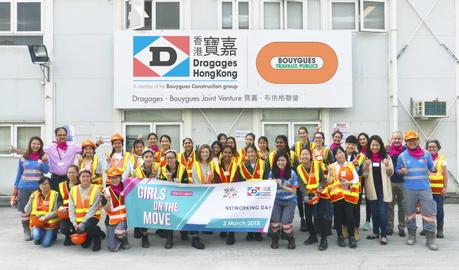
39, 56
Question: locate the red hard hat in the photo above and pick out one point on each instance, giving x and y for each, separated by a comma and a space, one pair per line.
346, 173
79, 238
63, 214
36, 222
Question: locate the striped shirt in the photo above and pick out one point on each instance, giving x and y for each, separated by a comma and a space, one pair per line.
283, 195
417, 177
29, 172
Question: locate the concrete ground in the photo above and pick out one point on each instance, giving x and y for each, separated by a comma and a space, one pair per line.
18, 254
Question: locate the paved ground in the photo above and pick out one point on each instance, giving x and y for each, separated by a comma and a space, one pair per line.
18, 254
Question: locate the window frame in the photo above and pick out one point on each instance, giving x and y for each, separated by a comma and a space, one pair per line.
289, 128
235, 14
304, 13
362, 18
153, 14
142, 24
153, 126
14, 134
356, 14
281, 14
14, 19
180, 124
125, 124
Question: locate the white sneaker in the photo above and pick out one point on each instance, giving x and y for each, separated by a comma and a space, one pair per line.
367, 226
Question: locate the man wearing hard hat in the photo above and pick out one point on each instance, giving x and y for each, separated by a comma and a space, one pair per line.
414, 165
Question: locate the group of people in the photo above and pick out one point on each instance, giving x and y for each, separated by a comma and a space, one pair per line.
325, 183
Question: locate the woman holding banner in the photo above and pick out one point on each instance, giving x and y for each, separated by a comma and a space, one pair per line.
174, 172
203, 174
285, 202
149, 169
113, 203
226, 171
253, 169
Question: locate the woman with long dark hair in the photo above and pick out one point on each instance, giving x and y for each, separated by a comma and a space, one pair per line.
263, 148
32, 165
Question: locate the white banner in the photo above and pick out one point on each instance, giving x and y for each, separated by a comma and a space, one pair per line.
227, 69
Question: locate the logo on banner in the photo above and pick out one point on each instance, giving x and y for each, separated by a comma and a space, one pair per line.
297, 62
161, 56
230, 193
259, 192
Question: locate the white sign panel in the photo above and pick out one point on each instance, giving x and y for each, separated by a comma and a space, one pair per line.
249, 69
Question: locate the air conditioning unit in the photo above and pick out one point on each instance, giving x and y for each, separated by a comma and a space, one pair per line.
427, 109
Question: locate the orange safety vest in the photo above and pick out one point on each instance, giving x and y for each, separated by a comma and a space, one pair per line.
437, 181
258, 171
337, 192
92, 168
44, 207
187, 162
117, 211
273, 154
203, 179
311, 181
64, 191
226, 176
82, 205
180, 170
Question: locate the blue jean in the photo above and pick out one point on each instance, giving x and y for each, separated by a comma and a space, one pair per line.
45, 237
440, 199
379, 214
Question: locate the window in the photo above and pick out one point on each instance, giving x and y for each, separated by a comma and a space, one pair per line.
234, 14
344, 15
17, 135
153, 14
167, 15
21, 22
289, 129
287, 14
272, 16
134, 13
373, 15
133, 130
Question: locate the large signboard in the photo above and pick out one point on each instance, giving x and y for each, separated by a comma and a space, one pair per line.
236, 207
226, 69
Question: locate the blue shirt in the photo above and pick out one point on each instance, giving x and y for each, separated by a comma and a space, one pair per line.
418, 170
283, 195
29, 172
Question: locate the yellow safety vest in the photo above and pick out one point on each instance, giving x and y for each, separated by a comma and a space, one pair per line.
437, 181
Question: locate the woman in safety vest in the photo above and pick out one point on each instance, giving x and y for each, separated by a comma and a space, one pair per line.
149, 169
231, 141
32, 165
285, 202
312, 184
263, 148
378, 169
363, 140
226, 171
438, 182
89, 161
203, 174
249, 140
282, 145
84, 210
321, 152
137, 151
341, 178
66, 227
118, 158
253, 169
217, 149
153, 142
175, 172
116, 220
165, 141
187, 157
42, 207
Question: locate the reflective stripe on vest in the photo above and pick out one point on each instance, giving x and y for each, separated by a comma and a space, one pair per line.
437, 181
242, 156
64, 191
338, 193
117, 211
226, 176
257, 174
180, 170
45, 207
299, 147
187, 162
82, 205
122, 163
204, 179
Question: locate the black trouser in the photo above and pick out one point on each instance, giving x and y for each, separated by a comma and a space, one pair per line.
367, 204
322, 214
344, 214
66, 227
92, 229
56, 180
300, 203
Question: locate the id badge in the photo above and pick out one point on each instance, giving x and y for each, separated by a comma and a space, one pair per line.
60, 164
376, 164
